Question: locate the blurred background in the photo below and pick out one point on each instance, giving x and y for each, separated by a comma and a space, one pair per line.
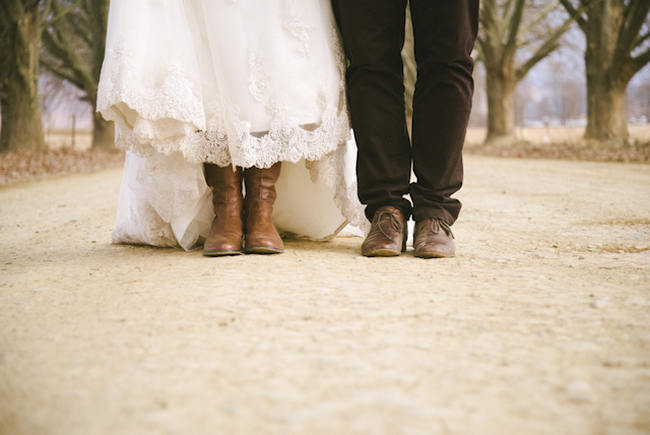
565, 79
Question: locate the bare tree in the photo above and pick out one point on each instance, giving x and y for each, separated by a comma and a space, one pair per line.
515, 35
618, 37
638, 97
571, 100
521, 102
21, 25
478, 117
74, 50
566, 85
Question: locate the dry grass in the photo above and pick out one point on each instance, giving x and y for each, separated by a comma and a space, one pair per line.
565, 143
60, 138
66, 155
543, 135
27, 165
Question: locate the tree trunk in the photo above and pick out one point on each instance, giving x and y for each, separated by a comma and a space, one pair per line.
21, 114
103, 133
501, 109
606, 112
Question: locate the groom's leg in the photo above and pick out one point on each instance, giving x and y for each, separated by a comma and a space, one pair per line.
444, 32
373, 36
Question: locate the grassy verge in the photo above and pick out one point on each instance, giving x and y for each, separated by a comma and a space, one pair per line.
26, 165
635, 152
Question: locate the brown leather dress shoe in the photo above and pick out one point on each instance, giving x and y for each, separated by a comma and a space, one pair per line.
226, 233
433, 239
387, 236
261, 235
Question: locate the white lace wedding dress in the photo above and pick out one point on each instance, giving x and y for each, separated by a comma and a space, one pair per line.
232, 82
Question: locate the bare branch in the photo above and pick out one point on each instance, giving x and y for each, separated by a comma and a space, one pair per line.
641, 60
641, 39
60, 72
513, 25
59, 12
634, 16
575, 13
490, 44
547, 48
540, 16
62, 47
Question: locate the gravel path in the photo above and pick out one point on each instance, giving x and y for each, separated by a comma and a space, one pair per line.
540, 325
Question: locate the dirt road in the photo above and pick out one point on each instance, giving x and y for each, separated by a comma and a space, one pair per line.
540, 325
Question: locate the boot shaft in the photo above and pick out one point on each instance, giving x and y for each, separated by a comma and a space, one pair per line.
260, 185
226, 184
261, 235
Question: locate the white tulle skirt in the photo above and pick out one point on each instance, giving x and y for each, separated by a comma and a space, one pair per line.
243, 83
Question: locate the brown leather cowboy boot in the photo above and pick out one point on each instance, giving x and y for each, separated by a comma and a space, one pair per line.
433, 239
261, 235
387, 235
226, 233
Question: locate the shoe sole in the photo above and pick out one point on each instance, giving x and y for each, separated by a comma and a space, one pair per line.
264, 250
221, 253
382, 253
387, 252
433, 255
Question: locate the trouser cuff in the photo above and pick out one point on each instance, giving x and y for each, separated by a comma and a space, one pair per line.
421, 213
403, 205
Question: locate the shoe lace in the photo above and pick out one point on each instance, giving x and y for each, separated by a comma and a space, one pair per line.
439, 224
392, 219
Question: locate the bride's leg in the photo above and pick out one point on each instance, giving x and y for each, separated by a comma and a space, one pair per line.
261, 235
226, 233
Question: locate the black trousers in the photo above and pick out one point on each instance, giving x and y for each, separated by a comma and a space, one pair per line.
373, 36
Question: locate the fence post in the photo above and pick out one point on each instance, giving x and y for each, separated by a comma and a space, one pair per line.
74, 121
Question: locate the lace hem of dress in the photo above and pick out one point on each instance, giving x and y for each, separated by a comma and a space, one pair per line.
167, 113
329, 170
283, 141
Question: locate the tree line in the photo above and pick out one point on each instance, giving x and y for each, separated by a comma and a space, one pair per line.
66, 38
515, 35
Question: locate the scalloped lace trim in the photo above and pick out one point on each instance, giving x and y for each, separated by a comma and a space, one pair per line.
169, 116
